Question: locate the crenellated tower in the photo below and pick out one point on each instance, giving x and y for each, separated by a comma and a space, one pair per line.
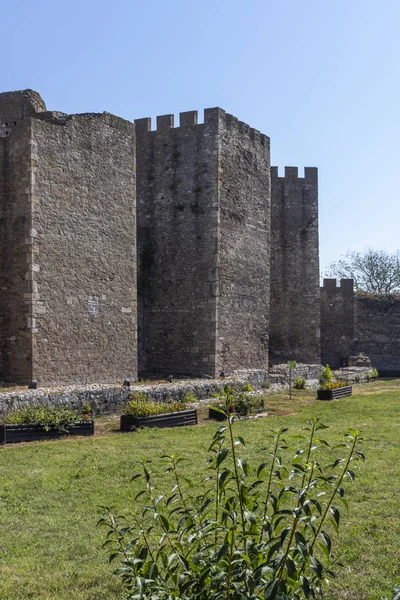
203, 193
337, 322
295, 296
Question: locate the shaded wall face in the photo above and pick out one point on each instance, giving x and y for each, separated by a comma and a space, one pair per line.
83, 251
245, 209
177, 246
337, 322
377, 332
3, 257
295, 295
15, 266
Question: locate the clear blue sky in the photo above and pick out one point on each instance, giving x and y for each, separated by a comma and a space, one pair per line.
320, 77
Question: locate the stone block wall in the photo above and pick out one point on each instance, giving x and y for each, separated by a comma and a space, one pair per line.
337, 322
192, 270
177, 245
67, 245
244, 247
377, 330
295, 295
82, 240
15, 263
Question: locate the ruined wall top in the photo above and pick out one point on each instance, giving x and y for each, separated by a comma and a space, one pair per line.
15, 106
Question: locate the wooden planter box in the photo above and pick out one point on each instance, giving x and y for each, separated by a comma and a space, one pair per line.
27, 433
175, 419
335, 393
216, 415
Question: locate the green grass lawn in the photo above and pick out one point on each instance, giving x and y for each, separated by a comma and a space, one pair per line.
50, 547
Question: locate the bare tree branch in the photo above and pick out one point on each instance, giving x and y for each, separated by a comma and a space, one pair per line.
376, 271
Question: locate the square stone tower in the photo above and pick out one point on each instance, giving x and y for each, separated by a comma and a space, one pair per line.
203, 244
67, 244
295, 296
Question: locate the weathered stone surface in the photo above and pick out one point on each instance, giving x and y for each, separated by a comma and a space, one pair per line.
203, 245
295, 295
377, 330
67, 246
107, 398
337, 322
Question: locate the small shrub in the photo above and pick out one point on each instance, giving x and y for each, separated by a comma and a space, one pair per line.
299, 383
326, 376
47, 417
333, 385
357, 378
147, 408
253, 531
247, 387
266, 385
372, 374
189, 398
239, 403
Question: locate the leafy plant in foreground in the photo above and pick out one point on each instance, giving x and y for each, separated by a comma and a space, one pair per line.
261, 532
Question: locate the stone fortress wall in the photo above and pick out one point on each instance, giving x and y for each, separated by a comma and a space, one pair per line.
359, 323
295, 314
203, 244
225, 272
68, 254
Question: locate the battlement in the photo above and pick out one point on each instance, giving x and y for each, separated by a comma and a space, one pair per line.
292, 173
216, 117
346, 286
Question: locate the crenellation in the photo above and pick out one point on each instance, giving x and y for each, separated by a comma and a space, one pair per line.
165, 122
188, 118
292, 173
143, 125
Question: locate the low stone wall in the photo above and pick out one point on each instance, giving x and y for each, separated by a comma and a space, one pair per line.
279, 374
107, 398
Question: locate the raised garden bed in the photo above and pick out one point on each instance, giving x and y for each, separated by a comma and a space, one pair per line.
174, 419
335, 393
216, 414
28, 433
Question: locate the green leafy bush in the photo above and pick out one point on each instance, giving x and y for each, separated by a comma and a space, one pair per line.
189, 398
326, 376
299, 383
239, 403
247, 387
261, 532
372, 374
140, 406
47, 417
333, 385
266, 385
